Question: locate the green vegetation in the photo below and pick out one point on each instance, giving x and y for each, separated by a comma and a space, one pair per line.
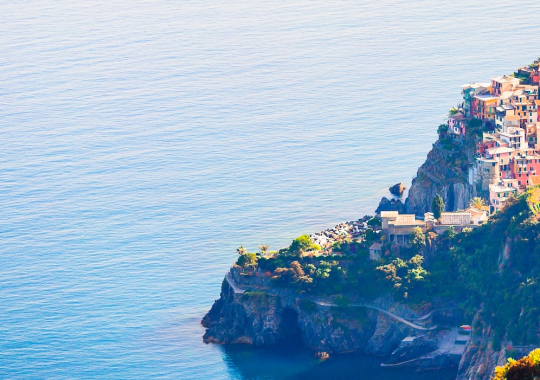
417, 239
442, 129
453, 111
405, 276
493, 270
527, 368
299, 246
497, 266
437, 205
374, 222
247, 260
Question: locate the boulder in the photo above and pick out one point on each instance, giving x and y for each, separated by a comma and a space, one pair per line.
390, 205
397, 189
412, 347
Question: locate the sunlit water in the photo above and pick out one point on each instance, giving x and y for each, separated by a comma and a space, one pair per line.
143, 141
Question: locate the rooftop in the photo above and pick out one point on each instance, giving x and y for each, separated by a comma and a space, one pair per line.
486, 97
500, 150
376, 246
501, 189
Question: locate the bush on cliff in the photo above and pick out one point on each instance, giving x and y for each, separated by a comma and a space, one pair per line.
247, 260
527, 368
374, 222
406, 277
497, 266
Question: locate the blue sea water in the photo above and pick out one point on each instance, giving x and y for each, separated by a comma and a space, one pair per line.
143, 141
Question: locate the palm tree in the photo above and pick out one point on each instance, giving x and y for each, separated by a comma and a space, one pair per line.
264, 249
478, 203
241, 250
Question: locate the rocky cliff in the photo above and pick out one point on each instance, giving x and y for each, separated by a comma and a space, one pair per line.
445, 172
261, 318
479, 361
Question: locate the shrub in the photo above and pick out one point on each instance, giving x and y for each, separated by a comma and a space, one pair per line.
442, 129
247, 260
374, 222
525, 368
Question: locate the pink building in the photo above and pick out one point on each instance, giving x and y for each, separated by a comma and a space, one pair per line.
456, 124
525, 166
498, 194
503, 157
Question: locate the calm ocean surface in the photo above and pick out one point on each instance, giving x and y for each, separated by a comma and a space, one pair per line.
143, 141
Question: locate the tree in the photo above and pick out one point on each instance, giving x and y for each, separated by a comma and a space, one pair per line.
442, 129
437, 206
417, 239
524, 368
478, 203
300, 244
405, 276
241, 250
264, 249
247, 260
450, 232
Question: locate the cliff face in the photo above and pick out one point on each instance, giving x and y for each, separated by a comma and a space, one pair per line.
479, 361
445, 172
259, 318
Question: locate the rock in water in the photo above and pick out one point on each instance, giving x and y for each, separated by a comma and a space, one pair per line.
390, 205
397, 189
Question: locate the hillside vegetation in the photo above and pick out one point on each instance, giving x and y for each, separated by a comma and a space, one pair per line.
494, 269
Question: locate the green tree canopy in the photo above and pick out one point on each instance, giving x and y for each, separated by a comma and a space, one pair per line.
417, 239
442, 129
247, 260
437, 206
300, 244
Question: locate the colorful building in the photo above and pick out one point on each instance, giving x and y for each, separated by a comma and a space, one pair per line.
498, 194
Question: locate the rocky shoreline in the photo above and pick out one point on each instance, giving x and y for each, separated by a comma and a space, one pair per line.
264, 315
258, 315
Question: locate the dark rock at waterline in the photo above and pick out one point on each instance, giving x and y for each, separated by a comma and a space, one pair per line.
390, 205
413, 347
397, 189
259, 318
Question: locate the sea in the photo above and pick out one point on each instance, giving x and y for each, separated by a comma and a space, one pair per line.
142, 142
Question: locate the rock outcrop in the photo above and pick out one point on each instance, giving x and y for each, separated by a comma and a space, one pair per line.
390, 205
479, 361
397, 189
413, 347
444, 173
260, 318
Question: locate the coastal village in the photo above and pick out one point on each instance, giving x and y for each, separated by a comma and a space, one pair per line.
507, 159
380, 284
